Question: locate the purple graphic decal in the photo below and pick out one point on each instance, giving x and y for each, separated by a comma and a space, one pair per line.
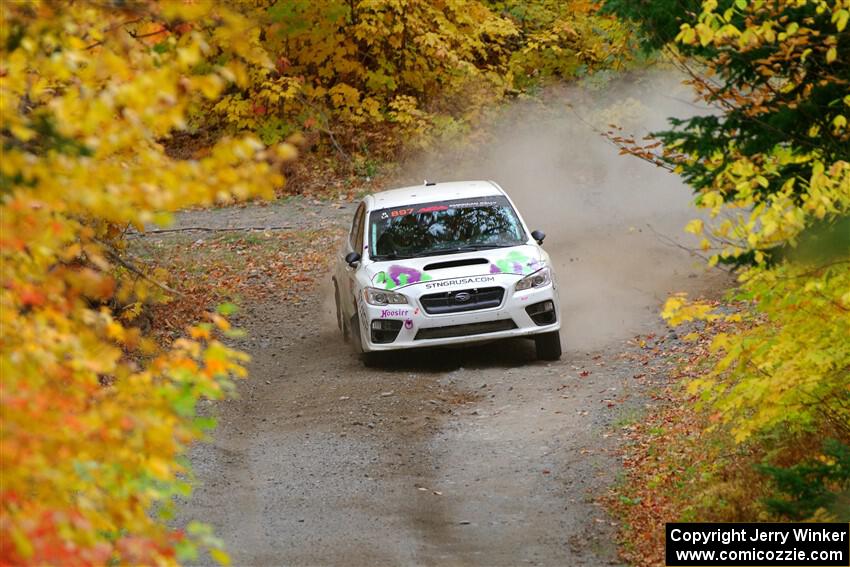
400, 275
393, 313
515, 263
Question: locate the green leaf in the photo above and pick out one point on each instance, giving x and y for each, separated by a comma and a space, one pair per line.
227, 309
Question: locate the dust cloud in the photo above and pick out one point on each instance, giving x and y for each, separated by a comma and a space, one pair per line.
612, 222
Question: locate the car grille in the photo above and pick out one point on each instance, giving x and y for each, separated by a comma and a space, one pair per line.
462, 300
465, 330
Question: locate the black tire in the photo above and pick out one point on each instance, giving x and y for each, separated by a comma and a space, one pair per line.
369, 359
354, 333
346, 336
372, 359
548, 346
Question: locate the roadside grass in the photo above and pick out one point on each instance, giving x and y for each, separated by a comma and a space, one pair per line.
678, 464
235, 267
629, 416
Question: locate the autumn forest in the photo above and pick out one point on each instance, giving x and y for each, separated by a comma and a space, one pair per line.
119, 116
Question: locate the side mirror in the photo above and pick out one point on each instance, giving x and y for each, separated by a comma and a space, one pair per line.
538, 235
352, 258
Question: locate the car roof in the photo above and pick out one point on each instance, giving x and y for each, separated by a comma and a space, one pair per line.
433, 192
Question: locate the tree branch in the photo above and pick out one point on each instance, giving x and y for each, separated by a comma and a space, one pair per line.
211, 229
116, 257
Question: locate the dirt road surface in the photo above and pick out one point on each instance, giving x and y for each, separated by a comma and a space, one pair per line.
473, 456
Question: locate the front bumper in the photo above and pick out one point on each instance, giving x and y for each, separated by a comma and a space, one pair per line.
410, 326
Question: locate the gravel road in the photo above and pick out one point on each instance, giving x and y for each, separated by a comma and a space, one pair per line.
473, 456
479, 456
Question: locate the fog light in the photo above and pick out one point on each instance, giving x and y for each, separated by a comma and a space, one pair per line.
542, 313
385, 330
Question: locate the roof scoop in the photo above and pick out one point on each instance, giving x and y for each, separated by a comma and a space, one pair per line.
429, 183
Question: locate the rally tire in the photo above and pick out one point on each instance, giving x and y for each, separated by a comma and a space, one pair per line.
548, 346
354, 330
340, 319
372, 359
369, 359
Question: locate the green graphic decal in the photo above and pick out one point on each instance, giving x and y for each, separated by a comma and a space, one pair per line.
515, 263
400, 276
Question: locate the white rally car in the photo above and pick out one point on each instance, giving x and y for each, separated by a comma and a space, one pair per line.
443, 264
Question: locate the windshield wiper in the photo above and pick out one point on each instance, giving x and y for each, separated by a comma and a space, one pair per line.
457, 250
391, 256
440, 251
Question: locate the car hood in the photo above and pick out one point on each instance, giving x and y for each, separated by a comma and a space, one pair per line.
519, 260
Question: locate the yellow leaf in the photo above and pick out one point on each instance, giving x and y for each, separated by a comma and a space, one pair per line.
705, 33
22, 132
694, 226
220, 556
840, 18
159, 468
831, 54
200, 332
687, 35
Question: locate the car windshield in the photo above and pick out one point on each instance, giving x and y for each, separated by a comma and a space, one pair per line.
444, 227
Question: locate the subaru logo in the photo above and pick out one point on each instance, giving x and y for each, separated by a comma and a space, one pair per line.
462, 297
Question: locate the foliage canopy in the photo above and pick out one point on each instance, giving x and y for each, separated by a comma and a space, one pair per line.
771, 166
93, 94
95, 415
408, 68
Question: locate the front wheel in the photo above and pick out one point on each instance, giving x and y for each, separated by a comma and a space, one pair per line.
548, 346
372, 359
340, 319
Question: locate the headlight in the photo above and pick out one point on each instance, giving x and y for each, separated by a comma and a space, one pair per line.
538, 279
376, 296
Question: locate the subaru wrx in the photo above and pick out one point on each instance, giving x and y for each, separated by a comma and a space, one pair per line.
444, 264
